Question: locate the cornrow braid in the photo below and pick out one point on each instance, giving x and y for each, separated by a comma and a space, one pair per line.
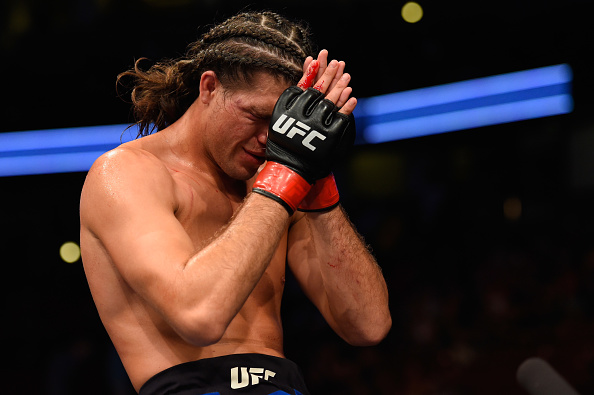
268, 35
235, 49
288, 70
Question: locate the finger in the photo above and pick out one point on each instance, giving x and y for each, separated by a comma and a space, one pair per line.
338, 75
323, 59
349, 106
344, 97
326, 78
306, 63
309, 75
337, 92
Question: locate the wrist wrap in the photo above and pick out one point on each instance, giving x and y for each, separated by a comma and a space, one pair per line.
282, 184
323, 196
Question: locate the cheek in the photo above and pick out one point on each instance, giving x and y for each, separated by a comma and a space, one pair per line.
228, 141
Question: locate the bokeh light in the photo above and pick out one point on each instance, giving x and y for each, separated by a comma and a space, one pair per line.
70, 252
412, 12
512, 208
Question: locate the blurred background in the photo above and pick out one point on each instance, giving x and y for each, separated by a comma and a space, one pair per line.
485, 235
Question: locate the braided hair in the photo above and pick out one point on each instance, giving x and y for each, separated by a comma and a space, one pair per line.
235, 49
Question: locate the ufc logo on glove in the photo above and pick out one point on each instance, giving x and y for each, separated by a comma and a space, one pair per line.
324, 133
294, 165
283, 124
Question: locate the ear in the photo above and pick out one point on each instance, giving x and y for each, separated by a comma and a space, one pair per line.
209, 84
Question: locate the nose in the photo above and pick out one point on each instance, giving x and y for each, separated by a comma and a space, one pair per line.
262, 135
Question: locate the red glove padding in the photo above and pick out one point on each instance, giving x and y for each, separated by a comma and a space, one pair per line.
323, 196
282, 184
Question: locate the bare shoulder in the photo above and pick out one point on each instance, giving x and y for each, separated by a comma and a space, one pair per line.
123, 177
125, 160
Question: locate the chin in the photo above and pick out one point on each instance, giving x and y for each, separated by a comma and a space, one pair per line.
243, 174
243, 169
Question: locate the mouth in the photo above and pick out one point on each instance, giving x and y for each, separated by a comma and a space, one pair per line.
259, 155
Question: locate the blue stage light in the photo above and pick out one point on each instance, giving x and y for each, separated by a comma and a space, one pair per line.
466, 119
462, 105
468, 104
58, 150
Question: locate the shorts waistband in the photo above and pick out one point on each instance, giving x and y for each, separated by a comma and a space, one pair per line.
236, 374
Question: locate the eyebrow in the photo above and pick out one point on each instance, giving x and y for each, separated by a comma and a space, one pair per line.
259, 111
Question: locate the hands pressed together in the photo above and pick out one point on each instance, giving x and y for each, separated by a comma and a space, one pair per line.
330, 79
310, 129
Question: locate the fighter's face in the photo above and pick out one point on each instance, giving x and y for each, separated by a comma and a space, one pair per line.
240, 126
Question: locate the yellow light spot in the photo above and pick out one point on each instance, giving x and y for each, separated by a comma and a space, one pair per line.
70, 252
412, 12
512, 208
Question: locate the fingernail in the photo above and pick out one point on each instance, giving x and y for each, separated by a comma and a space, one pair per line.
333, 63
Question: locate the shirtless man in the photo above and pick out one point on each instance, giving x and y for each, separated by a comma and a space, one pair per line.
186, 233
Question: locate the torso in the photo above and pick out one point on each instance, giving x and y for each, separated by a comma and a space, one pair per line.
145, 342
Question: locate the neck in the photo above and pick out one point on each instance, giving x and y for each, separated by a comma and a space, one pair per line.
183, 148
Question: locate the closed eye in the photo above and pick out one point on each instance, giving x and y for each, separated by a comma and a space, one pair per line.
258, 114
260, 117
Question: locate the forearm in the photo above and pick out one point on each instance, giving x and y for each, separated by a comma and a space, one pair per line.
355, 291
220, 277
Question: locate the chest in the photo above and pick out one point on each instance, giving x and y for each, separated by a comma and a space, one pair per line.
204, 212
202, 209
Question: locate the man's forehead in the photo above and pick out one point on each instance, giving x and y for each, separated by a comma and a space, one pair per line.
267, 83
261, 100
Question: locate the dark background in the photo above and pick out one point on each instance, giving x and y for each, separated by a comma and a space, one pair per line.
473, 292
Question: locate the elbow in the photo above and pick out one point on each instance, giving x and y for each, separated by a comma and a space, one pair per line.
372, 334
200, 329
381, 331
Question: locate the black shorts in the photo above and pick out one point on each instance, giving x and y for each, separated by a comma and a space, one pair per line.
236, 374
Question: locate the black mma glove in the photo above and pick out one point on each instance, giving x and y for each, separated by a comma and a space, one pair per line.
307, 135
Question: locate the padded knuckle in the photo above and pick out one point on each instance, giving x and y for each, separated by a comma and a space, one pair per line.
288, 97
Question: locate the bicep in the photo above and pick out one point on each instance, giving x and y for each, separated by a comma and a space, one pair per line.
148, 248
133, 217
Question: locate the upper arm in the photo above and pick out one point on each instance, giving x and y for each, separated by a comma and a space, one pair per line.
128, 203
